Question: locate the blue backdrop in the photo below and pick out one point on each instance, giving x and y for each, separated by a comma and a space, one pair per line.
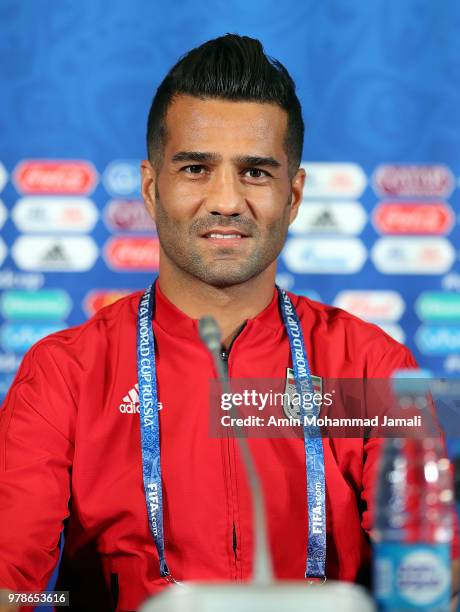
379, 83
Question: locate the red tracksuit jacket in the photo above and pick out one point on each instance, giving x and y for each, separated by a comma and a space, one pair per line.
70, 457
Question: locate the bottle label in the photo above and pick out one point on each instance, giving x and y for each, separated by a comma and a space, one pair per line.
412, 576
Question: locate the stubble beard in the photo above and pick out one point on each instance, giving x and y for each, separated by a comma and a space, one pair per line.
180, 243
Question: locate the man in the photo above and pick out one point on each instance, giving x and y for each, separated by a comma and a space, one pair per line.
223, 183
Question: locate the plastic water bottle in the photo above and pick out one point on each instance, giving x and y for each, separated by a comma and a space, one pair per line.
413, 526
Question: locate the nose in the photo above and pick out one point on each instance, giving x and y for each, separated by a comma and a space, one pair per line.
225, 193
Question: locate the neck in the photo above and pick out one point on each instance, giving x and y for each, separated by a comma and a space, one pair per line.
230, 306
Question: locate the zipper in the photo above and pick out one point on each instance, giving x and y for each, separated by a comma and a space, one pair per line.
114, 590
230, 442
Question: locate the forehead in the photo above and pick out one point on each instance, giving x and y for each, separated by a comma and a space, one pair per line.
225, 126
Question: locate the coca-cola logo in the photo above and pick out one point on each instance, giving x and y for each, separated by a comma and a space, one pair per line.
413, 218
63, 177
413, 180
128, 215
137, 253
99, 298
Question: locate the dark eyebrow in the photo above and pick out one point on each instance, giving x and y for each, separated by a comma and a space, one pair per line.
195, 156
242, 160
257, 160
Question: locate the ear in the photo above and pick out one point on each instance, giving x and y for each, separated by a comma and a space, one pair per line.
148, 177
297, 185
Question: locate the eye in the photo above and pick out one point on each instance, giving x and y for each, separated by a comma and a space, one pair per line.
256, 173
194, 169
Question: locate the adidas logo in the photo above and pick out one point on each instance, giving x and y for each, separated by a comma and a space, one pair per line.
56, 253
324, 221
130, 403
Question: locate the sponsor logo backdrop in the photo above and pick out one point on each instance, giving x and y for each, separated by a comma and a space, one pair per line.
379, 230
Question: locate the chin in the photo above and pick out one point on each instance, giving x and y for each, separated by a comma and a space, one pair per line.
227, 278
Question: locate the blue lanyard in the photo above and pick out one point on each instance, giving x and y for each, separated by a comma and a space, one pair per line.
150, 435
314, 455
150, 425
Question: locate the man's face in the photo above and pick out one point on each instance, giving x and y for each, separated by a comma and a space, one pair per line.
222, 198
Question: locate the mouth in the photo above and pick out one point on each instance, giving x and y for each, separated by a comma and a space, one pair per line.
228, 235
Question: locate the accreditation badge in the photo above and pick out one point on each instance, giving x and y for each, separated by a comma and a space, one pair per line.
292, 402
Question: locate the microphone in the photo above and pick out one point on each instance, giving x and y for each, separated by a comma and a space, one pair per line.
210, 333
263, 572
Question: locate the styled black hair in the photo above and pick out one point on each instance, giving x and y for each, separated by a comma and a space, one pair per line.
230, 67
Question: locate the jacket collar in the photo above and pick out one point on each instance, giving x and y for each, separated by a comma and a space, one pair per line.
176, 323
